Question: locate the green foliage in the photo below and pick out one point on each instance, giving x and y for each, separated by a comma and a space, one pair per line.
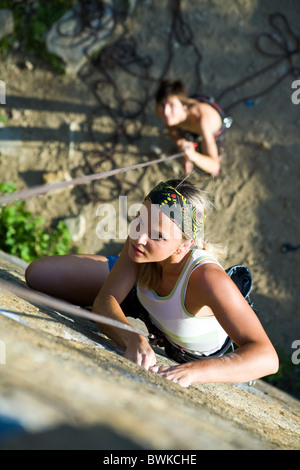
31, 25
22, 234
3, 119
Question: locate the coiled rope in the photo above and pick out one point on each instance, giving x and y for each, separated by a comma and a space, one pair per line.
282, 44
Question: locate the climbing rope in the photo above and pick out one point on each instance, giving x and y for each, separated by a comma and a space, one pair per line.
124, 54
122, 58
65, 307
42, 189
282, 44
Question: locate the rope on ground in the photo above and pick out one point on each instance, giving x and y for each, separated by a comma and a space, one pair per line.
43, 189
282, 44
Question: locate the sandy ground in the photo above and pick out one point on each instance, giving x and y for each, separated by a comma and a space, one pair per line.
256, 197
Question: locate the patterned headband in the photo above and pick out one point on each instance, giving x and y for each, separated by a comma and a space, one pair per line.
184, 214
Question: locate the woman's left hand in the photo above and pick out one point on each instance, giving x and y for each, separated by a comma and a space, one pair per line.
181, 374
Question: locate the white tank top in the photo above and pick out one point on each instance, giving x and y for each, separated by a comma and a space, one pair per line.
198, 335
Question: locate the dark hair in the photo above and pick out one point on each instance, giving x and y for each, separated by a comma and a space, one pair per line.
190, 192
170, 87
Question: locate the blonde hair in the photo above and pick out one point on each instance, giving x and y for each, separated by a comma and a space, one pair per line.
149, 274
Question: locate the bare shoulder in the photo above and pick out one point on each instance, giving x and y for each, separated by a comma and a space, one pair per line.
208, 271
205, 117
218, 292
212, 281
195, 108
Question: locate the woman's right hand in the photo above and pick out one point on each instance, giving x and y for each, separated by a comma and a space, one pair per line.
140, 352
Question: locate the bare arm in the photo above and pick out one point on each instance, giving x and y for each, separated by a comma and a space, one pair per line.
107, 303
255, 356
209, 160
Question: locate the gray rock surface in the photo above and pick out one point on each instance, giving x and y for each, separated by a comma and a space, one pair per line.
64, 385
6, 22
74, 39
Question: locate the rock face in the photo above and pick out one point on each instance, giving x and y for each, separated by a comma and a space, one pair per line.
64, 385
6, 22
74, 40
